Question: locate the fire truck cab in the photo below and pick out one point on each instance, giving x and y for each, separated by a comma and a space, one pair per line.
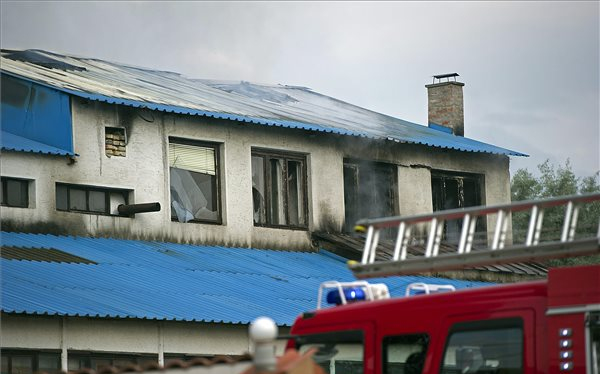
544, 326
550, 326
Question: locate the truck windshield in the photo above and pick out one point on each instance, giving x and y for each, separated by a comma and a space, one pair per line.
339, 352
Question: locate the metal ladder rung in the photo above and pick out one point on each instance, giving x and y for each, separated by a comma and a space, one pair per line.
469, 216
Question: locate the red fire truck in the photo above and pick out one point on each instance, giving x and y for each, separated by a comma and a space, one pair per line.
544, 326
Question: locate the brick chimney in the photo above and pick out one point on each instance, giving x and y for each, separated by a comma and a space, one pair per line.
445, 99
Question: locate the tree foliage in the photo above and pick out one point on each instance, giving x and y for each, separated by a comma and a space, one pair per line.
552, 182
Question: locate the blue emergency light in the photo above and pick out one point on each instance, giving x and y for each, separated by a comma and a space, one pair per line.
351, 294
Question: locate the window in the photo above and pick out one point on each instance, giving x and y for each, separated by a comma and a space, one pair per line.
339, 352
90, 199
454, 190
97, 361
279, 189
15, 192
194, 181
404, 354
115, 142
485, 347
593, 347
29, 362
369, 191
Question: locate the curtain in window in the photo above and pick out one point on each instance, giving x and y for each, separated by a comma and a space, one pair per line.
277, 211
258, 189
193, 182
296, 192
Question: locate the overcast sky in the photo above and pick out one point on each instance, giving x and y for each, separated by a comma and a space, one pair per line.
531, 69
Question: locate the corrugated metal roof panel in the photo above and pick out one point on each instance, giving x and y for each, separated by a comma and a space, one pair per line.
11, 142
167, 281
271, 105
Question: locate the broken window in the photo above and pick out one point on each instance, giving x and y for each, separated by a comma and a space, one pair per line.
369, 191
194, 181
90, 199
279, 189
452, 191
15, 192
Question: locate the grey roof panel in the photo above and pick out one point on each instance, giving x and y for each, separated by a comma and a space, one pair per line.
272, 105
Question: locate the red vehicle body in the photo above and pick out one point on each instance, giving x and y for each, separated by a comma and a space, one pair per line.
547, 326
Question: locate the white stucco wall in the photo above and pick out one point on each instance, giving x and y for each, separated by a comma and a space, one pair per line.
145, 170
126, 336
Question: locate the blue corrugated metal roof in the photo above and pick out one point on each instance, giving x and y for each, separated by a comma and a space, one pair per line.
12, 142
167, 281
271, 105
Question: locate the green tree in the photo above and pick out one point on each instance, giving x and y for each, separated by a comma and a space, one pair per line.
556, 181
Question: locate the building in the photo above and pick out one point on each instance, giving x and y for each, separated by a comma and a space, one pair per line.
128, 158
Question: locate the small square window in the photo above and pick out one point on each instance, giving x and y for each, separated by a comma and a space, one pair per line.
77, 199
15, 192
97, 200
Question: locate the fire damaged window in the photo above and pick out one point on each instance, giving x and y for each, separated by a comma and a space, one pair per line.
194, 176
369, 191
90, 199
15, 192
279, 189
456, 190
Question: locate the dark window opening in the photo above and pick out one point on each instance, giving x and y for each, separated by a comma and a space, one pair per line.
452, 191
369, 191
29, 362
485, 347
279, 189
194, 181
404, 354
15, 192
90, 199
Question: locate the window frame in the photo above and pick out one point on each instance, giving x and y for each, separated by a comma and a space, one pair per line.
478, 177
217, 154
23, 181
347, 336
87, 189
88, 356
389, 339
481, 226
486, 325
286, 156
34, 354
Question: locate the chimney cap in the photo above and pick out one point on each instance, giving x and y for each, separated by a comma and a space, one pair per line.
439, 77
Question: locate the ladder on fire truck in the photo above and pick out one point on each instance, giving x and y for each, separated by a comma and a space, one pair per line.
499, 250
